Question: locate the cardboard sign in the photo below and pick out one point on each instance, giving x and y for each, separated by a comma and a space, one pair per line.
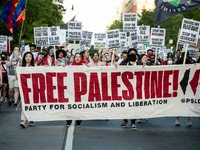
191, 51
41, 36
157, 37
80, 49
3, 43
63, 37
113, 38
129, 22
86, 39
143, 34
189, 32
134, 39
100, 40
74, 30
54, 35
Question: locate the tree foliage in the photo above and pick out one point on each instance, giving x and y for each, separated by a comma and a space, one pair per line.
39, 13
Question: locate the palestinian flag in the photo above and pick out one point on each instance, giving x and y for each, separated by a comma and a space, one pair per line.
169, 8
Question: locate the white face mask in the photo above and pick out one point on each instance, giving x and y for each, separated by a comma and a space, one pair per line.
169, 62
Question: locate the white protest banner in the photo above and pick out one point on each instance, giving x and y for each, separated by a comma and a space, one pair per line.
86, 39
113, 38
54, 35
88, 93
100, 40
189, 32
3, 43
143, 33
74, 30
134, 39
157, 37
80, 49
129, 22
41, 36
22, 45
63, 37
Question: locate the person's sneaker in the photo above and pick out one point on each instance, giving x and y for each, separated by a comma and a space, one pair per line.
133, 127
177, 122
23, 124
31, 124
146, 119
124, 123
10, 103
189, 123
78, 124
139, 121
15, 105
4, 101
68, 123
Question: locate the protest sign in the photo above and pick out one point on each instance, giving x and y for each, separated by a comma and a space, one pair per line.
123, 41
100, 40
41, 36
143, 33
198, 43
88, 93
3, 43
189, 32
113, 38
63, 37
129, 22
80, 49
22, 45
134, 39
190, 51
54, 35
71, 47
157, 37
86, 39
74, 30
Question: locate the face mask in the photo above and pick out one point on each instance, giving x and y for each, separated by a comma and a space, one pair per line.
158, 63
3, 58
169, 62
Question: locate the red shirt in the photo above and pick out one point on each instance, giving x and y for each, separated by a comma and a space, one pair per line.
45, 61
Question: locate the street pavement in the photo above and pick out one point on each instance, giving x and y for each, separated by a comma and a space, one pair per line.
154, 134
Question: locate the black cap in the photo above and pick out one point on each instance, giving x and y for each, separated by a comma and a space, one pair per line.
149, 50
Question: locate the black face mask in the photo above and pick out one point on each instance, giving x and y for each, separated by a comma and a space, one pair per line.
3, 58
132, 57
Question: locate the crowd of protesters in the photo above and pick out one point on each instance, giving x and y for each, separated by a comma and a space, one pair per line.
45, 57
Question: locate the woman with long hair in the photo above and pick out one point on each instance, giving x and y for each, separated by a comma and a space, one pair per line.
27, 61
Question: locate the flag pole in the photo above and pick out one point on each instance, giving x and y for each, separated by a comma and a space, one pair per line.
22, 24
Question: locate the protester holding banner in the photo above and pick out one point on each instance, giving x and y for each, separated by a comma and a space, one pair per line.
4, 76
77, 61
104, 60
13, 60
61, 60
96, 61
27, 61
45, 59
130, 57
130, 61
86, 56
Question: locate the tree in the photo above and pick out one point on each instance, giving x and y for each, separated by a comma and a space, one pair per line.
39, 13
116, 25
